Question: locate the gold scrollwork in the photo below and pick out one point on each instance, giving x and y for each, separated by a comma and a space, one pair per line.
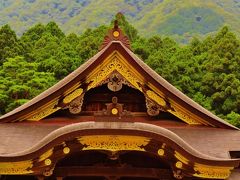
184, 116
122, 80
12, 168
114, 142
42, 113
204, 171
46, 155
159, 100
72, 95
181, 158
114, 64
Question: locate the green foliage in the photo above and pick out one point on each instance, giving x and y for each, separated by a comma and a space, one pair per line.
20, 82
192, 19
127, 28
206, 70
150, 17
234, 118
90, 41
9, 44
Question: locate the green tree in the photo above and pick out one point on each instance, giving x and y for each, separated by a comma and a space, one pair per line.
9, 44
128, 29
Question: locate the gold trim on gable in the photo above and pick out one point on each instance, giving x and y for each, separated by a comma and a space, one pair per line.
73, 95
44, 112
116, 62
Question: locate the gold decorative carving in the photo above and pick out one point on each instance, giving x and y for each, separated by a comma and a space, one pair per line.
66, 150
46, 155
13, 168
44, 112
75, 106
114, 111
47, 162
72, 96
179, 164
121, 80
24, 167
175, 111
114, 142
213, 172
73, 99
184, 116
116, 33
181, 158
159, 100
161, 152
114, 64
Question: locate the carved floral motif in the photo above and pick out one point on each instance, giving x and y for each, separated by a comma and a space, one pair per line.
114, 142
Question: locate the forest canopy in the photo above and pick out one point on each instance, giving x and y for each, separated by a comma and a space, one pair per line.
206, 70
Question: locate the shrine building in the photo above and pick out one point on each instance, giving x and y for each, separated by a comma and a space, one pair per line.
114, 118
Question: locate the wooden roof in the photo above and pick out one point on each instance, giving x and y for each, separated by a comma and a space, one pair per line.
198, 137
20, 138
200, 146
190, 111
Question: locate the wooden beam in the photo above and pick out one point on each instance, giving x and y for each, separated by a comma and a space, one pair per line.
40, 177
59, 178
113, 172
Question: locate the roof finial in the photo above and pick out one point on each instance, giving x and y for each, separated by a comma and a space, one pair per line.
116, 34
116, 24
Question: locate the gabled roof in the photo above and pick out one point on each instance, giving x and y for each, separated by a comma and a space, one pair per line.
197, 148
115, 55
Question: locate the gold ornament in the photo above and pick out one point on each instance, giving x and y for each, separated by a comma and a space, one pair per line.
47, 162
66, 150
114, 111
179, 164
161, 152
113, 142
116, 34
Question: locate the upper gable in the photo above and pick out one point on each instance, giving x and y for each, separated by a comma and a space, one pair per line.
115, 59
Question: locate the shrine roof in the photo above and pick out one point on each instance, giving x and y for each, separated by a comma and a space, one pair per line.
20, 138
150, 76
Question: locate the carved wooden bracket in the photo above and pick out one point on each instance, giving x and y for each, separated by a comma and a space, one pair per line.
75, 106
153, 109
115, 82
178, 174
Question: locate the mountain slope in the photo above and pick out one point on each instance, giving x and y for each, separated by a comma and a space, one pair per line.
171, 17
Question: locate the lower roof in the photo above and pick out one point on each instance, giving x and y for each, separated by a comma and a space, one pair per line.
214, 142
